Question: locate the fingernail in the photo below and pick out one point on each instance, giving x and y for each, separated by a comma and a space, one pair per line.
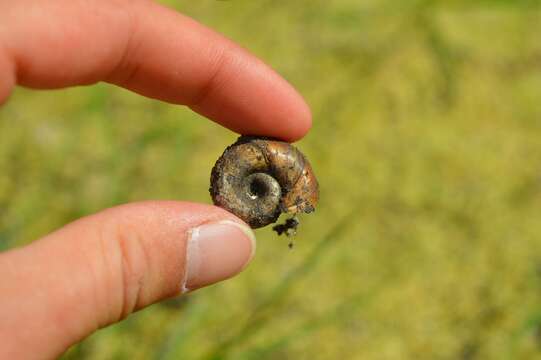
216, 252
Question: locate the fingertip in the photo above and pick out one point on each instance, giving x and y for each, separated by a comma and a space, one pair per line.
286, 115
209, 243
216, 252
266, 105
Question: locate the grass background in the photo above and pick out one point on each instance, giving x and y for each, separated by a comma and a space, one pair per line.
427, 146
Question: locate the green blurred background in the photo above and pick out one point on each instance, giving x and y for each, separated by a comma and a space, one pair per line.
427, 145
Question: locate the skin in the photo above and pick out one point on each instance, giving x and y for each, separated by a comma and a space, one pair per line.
63, 287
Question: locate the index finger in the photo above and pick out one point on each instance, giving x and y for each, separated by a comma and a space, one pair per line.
151, 50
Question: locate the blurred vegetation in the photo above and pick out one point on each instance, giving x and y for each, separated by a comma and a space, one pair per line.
427, 145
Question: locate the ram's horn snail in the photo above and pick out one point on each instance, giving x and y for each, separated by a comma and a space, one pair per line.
258, 178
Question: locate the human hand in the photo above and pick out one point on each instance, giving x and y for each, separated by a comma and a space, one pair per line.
99, 269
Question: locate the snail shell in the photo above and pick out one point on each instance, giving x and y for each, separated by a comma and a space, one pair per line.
258, 178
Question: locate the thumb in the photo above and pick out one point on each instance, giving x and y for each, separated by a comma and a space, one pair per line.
101, 268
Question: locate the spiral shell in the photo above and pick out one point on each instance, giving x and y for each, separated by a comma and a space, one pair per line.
258, 178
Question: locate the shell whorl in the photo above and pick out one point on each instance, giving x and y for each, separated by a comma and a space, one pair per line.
259, 178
